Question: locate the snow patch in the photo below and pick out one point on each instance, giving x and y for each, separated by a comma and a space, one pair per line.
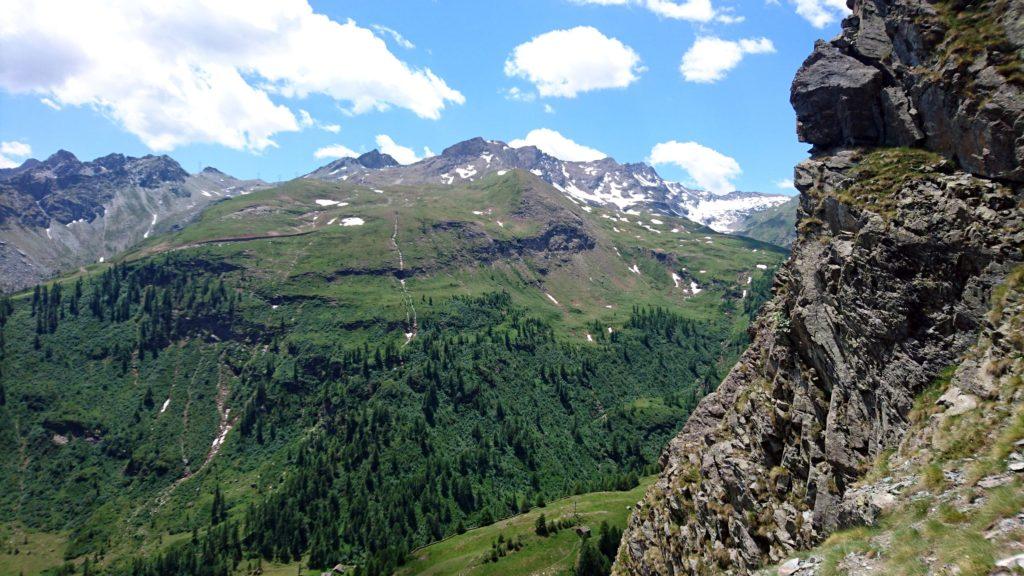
353, 221
635, 269
552, 298
696, 289
676, 278
166, 404
322, 202
466, 172
762, 267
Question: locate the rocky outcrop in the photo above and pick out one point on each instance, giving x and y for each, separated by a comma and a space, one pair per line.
888, 285
61, 213
944, 74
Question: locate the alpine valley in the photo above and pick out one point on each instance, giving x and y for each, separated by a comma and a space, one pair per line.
352, 364
495, 362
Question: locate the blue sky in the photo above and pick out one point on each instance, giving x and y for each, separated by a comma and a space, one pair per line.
228, 89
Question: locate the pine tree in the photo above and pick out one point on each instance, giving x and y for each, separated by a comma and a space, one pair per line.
541, 526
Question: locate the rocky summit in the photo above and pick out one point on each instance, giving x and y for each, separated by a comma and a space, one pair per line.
901, 288
61, 213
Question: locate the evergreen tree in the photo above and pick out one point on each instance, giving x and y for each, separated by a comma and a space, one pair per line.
541, 526
591, 562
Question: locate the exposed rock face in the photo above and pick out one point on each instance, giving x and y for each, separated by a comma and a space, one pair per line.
61, 213
941, 73
888, 285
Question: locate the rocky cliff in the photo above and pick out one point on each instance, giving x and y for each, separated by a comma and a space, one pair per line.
911, 213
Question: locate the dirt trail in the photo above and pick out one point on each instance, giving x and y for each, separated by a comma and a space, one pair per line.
410, 314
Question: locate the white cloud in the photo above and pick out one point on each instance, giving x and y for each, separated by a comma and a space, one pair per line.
13, 153
395, 35
821, 13
709, 169
728, 15
212, 78
401, 154
50, 103
306, 120
553, 143
692, 10
335, 151
695, 10
567, 62
549, 109
517, 95
784, 184
710, 58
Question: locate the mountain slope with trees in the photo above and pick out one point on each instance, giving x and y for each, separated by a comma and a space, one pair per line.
328, 372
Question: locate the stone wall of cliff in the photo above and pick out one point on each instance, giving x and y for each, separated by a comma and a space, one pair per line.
911, 211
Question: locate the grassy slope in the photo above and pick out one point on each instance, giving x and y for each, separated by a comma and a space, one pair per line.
594, 285
28, 552
468, 553
777, 225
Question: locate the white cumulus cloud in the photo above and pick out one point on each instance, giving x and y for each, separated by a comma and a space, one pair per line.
785, 184
195, 71
553, 143
821, 13
335, 151
13, 153
709, 169
401, 154
565, 63
691, 10
710, 58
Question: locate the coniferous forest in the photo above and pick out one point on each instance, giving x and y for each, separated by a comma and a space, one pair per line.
344, 449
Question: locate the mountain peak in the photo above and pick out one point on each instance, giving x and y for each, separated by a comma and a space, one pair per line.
375, 159
472, 147
61, 156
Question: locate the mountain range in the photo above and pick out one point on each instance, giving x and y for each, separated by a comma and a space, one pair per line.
604, 182
60, 213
